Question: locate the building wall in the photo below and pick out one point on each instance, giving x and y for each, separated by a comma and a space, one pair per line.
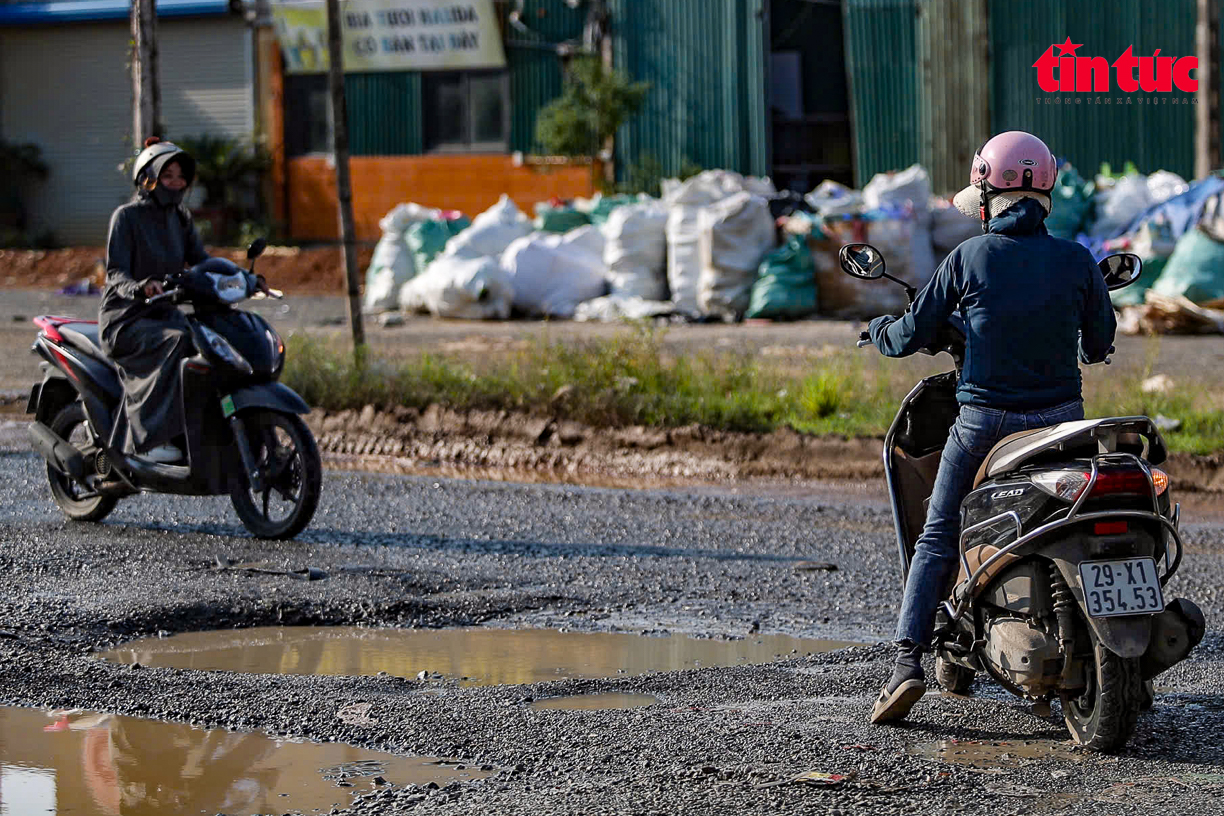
468, 183
67, 90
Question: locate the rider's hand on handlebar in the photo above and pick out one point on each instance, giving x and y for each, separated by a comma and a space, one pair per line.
261, 285
153, 288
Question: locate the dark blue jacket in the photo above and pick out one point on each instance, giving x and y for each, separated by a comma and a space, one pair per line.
1024, 297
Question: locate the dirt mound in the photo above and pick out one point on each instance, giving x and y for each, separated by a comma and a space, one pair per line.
316, 270
476, 442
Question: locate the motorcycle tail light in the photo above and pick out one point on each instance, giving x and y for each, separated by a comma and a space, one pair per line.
1069, 484
1062, 484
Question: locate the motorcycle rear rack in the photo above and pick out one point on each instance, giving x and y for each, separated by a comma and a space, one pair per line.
964, 592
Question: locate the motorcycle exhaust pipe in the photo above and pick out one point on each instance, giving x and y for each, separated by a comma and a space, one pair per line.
1175, 631
59, 454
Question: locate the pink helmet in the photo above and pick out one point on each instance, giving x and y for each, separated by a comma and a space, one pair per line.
1015, 160
1011, 166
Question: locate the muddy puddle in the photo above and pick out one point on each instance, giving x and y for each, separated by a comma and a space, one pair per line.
992, 755
472, 656
90, 764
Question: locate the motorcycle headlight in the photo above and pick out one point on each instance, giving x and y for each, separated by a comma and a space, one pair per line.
221, 347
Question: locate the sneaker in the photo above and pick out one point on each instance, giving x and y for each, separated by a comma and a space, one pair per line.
163, 455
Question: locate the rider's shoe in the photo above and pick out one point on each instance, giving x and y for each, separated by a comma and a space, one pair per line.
163, 455
904, 688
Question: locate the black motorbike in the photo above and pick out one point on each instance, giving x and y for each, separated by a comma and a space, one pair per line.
244, 431
1067, 541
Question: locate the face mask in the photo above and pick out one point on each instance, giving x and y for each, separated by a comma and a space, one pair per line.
168, 198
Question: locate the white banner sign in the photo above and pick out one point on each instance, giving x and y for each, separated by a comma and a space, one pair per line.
392, 35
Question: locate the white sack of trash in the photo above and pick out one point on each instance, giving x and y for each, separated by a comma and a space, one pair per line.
392, 265
552, 273
461, 289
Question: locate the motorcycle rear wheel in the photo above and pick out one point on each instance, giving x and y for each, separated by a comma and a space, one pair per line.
1103, 716
70, 425
288, 459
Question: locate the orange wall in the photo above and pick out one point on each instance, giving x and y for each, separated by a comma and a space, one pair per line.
470, 183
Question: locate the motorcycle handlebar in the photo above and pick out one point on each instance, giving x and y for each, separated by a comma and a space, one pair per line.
169, 294
864, 340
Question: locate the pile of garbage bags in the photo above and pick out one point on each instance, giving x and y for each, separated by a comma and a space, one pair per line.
721, 246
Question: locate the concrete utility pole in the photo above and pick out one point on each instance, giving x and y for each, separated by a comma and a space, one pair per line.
1207, 112
344, 188
146, 91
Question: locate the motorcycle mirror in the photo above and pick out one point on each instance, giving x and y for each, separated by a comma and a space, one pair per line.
256, 249
1120, 270
861, 261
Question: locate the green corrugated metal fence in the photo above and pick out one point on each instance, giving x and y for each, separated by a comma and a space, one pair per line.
535, 67
897, 119
1153, 136
705, 60
384, 113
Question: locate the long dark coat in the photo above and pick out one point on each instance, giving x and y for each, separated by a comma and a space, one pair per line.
148, 242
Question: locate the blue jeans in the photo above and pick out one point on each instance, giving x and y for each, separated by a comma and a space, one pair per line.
977, 429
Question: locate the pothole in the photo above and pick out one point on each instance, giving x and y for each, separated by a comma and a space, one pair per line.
93, 764
1002, 754
472, 656
596, 702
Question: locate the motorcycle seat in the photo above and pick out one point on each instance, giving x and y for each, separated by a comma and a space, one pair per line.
1012, 451
84, 337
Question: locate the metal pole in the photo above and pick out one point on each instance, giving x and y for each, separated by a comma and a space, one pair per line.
344, 189
1207, 112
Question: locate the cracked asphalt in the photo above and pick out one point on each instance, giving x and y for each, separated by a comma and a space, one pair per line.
708, 561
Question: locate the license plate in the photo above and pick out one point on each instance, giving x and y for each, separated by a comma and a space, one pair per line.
1128, 586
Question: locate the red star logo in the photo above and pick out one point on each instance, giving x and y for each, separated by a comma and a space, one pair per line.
1067, 48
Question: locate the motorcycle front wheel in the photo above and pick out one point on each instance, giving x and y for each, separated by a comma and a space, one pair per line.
77, 501
287, 457
1102, 717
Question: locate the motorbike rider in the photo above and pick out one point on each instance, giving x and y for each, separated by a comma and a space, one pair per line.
151, 238
1024, 296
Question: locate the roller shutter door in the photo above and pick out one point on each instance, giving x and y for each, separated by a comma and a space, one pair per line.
67, 90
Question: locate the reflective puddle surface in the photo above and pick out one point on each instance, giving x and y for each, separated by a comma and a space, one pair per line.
89, 764
996, 754
596, 702
473, 657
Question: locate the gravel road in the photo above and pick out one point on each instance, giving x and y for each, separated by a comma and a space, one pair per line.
712, 561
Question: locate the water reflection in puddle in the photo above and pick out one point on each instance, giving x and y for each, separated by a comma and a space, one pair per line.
474, 656
90, 764
596, 702
996, 754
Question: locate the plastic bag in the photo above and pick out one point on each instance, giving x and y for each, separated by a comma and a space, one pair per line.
606, 205
491, 232
636, 251
1195, 270
832, 198
552, 274
393, 265
1118, 205
611, 308
1071, 201
559, 218
460, 288
786, 286
736, 233
894, 190
427, 239
1163, 185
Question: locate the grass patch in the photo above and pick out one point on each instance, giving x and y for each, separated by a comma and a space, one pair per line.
631, 379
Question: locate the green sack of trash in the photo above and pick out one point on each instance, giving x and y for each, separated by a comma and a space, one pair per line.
606, 204
1136, 293
427, 239
559, 219
1072, 204
1195, 270
785, 288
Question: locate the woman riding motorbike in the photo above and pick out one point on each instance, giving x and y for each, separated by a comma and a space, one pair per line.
1024, 297
151, 238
